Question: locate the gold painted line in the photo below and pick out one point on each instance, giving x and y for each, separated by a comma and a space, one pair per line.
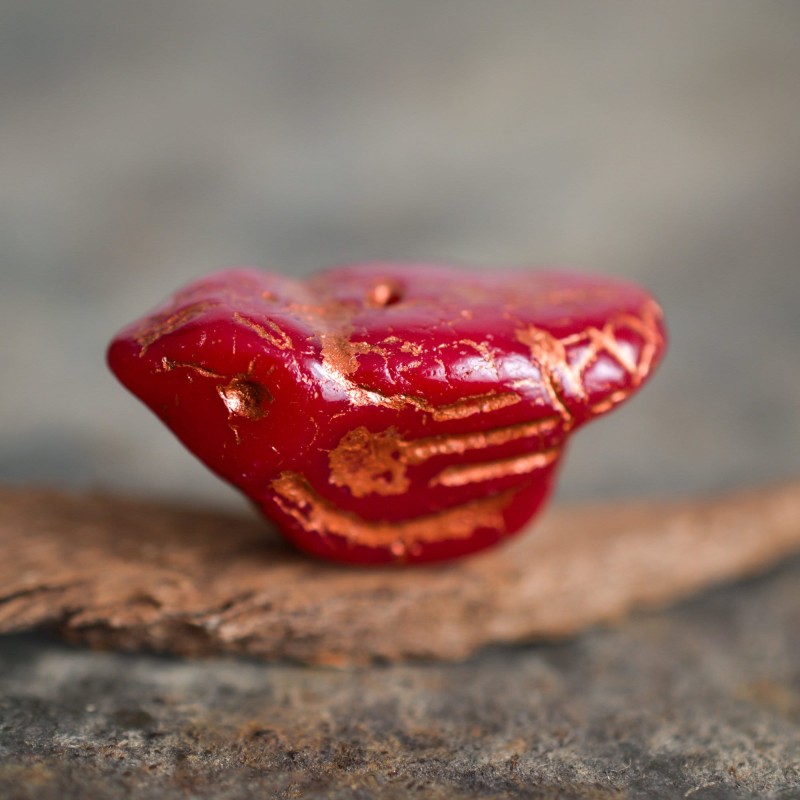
298, 499
168, 365
477, 404
281, 341
420, 450
493, 470
612, 400
164, 323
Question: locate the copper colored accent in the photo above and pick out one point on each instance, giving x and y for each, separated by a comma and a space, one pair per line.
410, 366
369, 463
551, 356
167, 364
561, 376
277, 337
482, 348
477, 404
163, 324
465, 407
296, 497
411, 347
340, 354
461, 475
420, 450
649, 328
604, 339
245, 398
612, 400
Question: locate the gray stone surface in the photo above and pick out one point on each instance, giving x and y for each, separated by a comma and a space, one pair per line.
146, 143
702, 702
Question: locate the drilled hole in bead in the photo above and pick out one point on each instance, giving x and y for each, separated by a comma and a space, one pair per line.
384, 294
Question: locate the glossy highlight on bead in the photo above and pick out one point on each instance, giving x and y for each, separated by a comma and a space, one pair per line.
391, 413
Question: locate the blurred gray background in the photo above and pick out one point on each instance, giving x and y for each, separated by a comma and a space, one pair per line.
144, 144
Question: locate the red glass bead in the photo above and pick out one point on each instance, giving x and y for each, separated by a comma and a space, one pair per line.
387, 412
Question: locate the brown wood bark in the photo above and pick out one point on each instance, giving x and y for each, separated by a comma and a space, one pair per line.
117, 572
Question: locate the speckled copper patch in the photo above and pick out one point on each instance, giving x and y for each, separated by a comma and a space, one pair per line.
367, 462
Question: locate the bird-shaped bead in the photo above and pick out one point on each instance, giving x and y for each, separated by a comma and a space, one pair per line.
384, 412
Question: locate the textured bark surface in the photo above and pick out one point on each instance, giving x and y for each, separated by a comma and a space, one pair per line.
120, 573
699, 702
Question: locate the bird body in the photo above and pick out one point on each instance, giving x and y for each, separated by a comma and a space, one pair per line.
387, 412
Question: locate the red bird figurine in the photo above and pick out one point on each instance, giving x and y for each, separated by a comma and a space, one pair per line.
388, 412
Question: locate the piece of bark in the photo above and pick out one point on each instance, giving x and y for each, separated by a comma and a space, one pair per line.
118, 572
